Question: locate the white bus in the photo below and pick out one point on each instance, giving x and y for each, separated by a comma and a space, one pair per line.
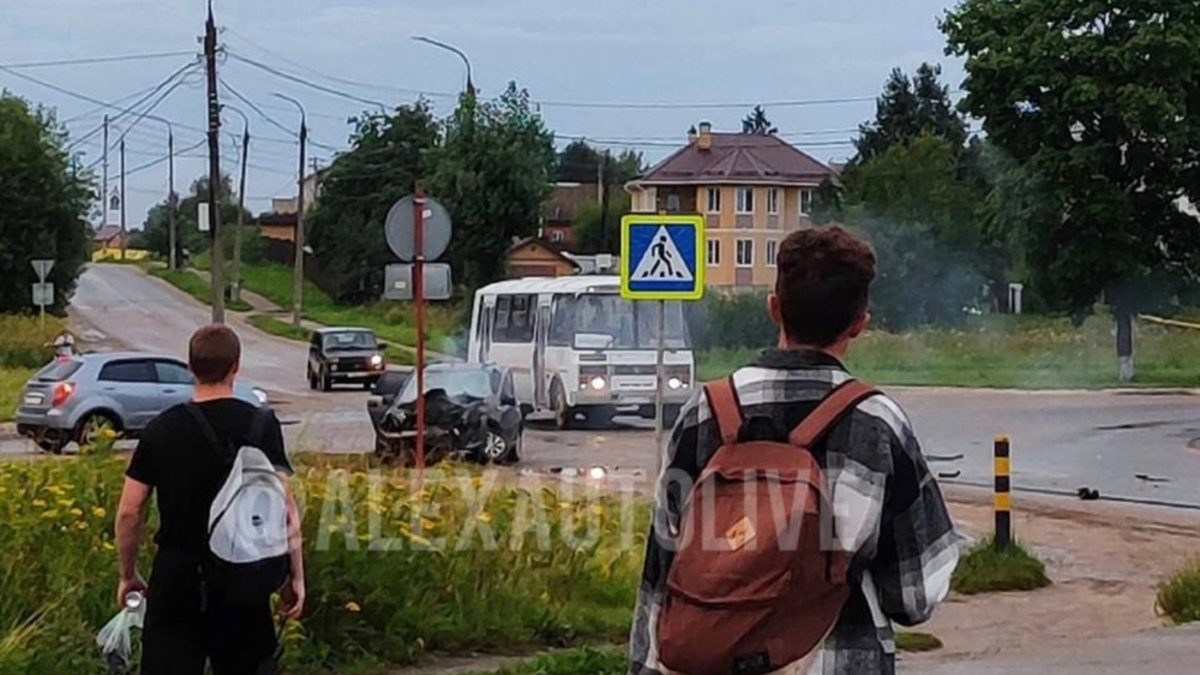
576, 347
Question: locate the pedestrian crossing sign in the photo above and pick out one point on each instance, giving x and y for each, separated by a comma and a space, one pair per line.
660, 257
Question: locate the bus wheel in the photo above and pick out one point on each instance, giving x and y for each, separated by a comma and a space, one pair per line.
564, 415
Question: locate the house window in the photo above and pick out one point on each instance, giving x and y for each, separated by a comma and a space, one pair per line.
714, 252
745, 253
772, 252
714, 200
806, 201
673, 204
745, 200
556, 235
773, 201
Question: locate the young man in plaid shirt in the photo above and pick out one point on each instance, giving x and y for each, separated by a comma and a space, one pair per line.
887, 509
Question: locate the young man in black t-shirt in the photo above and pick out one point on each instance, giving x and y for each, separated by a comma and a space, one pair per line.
186, 626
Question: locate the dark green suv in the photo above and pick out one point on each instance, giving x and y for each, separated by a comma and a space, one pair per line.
344, 355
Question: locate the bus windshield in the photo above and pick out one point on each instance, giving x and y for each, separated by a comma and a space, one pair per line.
625, 324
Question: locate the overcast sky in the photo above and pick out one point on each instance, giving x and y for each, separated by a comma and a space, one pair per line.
562, 51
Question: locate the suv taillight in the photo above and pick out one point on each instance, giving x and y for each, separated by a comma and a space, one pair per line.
61, 393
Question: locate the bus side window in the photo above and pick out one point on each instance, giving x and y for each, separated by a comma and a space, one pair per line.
503, 313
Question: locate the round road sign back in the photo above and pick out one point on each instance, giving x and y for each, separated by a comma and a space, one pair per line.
401, 223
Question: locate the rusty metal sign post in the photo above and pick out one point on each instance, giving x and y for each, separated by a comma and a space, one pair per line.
418, 230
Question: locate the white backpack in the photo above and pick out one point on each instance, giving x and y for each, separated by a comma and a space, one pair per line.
248, 519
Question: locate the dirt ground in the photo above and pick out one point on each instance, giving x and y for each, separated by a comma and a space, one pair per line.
1105, 561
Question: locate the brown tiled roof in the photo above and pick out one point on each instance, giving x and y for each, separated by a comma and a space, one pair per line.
107, 232
739, 158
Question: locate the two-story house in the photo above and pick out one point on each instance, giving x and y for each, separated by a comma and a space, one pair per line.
752, 190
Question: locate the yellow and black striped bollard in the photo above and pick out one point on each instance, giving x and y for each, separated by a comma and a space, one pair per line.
1003, 500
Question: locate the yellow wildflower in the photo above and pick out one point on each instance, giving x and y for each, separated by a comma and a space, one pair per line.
51, 514
109, 433
484, 516
38, 503
108, 546
353, 607
81, 525
99, 511
77, 512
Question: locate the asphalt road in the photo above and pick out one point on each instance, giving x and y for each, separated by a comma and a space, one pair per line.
1061, 440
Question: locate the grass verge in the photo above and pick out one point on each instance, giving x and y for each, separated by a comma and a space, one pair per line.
393, 572
1179, 595
579, 661
986, 569
392, 321
11, 382
911, 641
1020, 352
194, 286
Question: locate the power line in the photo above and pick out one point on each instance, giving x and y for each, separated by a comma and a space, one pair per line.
160, 160
341, 80
274, 122
97, 59
299, 80
141, 116
91, 99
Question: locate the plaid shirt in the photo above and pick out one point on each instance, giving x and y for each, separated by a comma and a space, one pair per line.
887, 507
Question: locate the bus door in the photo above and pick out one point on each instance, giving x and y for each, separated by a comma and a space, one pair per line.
483, 338
541, 396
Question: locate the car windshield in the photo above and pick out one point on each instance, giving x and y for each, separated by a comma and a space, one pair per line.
348, 340
58, 371
626, 324
468, 382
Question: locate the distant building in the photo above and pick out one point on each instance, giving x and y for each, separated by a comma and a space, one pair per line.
108, 236
535, 257
752, 190
280, 223
560, 212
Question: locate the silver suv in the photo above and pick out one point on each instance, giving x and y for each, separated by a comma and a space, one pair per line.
77, 398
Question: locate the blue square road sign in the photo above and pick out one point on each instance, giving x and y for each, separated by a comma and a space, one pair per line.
661, 257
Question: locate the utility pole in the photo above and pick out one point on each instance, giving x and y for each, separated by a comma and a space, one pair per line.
604, 179
172, 262
122, 198
214, 168
104, 197
236, 281
298, 263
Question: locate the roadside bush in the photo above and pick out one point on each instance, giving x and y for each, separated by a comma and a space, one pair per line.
380, 589
725, 321
986, 569
1179, 595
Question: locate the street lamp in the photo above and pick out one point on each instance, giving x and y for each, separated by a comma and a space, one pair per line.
235, 284
298, 271
454, 50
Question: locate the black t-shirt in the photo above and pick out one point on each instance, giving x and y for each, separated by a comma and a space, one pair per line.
186, 471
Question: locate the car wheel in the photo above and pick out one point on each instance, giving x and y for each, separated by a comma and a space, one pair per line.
326, 381
90, 427
495, 448
564, 415
312, 379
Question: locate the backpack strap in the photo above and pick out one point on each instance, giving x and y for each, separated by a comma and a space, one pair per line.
207, 431
722, 399
829, 411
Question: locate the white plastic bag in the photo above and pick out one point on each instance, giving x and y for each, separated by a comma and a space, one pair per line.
115, 640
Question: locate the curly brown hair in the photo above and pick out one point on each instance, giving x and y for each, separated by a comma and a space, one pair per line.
823, 283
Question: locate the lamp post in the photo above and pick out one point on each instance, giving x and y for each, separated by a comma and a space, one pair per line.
454, 50
298, 270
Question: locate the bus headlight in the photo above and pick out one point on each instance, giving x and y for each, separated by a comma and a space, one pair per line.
598, 383
675, 383
593, 377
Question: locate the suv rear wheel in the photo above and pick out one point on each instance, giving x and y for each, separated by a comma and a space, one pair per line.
90, 428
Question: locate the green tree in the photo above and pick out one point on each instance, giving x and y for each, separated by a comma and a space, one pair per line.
757, 123
493, 171
45, 203
1097, 102
590, 223
156, 232
923, 219
578, 163
907, 109
389, 154
827, 203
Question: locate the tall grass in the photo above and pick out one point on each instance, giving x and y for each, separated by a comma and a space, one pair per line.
1024, 352
986, 569
1179, 595
24, 342
12, 380
370, 604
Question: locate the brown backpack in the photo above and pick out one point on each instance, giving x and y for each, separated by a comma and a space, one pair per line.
752, 588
